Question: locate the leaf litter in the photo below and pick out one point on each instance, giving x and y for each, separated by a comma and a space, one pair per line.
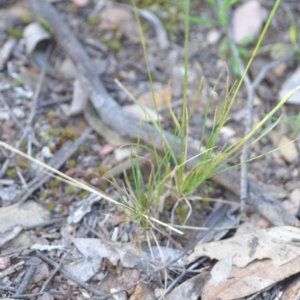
100, 250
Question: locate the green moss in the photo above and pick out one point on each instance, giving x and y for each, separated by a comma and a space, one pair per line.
83, 193
51, 115
111, 43
181, 212
19, 81
24, 165
69, 133
43, 194
12, 172
54, 183
15, 32
71, 163
102, 170
71, 190
50, 206
55, 132
24, 145
26, 19
92, 21
81, 149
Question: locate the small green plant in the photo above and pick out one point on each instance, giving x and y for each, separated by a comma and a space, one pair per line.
44, 194
55, 132
293, 123
45, 24
92, 21
293, 30
69, 134
71, 190
51, 115
54, 183
24, 165
11, 172
112, 43
15, 32
169, 175
71, 163
19, 81
81, 149
221, 7
26, 19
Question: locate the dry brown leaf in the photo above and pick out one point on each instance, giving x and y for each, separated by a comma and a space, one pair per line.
41, 273
80, 98
45, 296
162, 98
190, 289
146, 114
142, 292
98, 249
274, 243
255, 222
230, 282
113, 17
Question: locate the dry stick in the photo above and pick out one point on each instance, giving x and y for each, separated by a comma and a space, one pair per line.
7, 288
112, 115
25, 280
178, 278
36, 96
32, 267
28, 130
251, 88
53, 272
68, 275
60, 157
31, 296
199, 240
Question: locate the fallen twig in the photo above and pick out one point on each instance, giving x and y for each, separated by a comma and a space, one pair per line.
28, 132
53, 272
113, 116
60, 157
68, 275
26, 279
251, 88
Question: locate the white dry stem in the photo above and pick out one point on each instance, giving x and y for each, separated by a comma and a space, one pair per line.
82, 185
